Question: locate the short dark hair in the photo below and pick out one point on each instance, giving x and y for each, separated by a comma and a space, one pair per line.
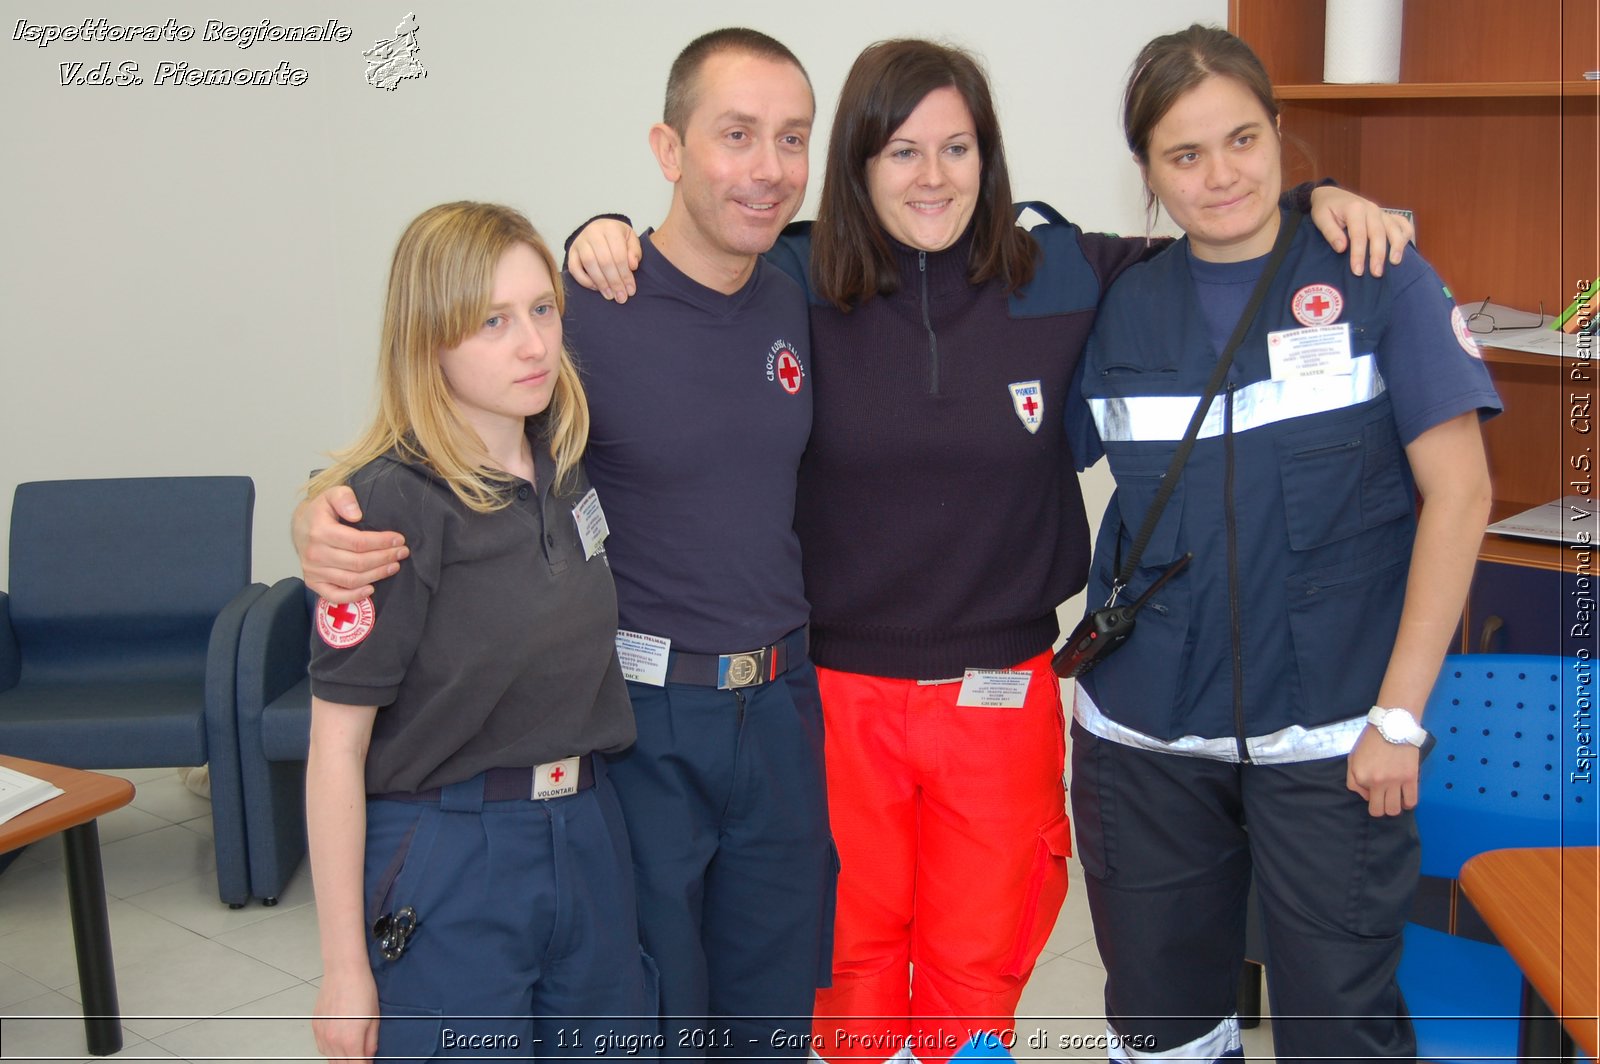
682, 80
1170, 66
850, 256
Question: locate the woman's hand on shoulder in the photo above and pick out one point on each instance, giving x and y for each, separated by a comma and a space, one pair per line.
603, 257
1372, 234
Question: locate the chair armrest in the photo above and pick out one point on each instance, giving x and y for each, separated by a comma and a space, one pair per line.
10, 653
222, 748
222, 664
274, 648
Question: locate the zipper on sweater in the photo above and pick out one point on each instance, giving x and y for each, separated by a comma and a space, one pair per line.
1232, 522
927, 323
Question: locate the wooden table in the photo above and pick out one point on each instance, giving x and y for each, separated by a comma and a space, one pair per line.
87, 795
1543, 906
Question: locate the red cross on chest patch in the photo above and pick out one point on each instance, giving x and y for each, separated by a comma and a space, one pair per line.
789, 372
1027, 399
783, 366
343, 625
1317, 304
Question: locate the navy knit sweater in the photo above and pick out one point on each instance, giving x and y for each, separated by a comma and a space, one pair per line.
939, 533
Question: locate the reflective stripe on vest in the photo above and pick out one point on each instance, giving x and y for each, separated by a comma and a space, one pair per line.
1149, 418
1286, 746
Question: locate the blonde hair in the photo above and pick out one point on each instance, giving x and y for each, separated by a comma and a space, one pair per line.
440, 284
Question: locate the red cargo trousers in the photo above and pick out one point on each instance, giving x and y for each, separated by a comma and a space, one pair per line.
953, 841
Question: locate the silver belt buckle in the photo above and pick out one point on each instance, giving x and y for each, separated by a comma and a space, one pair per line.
742, 670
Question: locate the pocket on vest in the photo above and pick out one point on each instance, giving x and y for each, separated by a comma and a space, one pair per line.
1140, 686
1341, 479
1138, 478
1343, 620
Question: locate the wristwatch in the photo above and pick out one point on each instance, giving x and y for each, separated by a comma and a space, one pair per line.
1397, 726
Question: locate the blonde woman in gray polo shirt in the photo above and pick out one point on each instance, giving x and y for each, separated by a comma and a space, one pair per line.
471, 864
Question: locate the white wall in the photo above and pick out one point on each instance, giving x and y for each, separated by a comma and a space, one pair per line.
191, 278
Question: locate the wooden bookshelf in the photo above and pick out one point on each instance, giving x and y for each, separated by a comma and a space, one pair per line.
1492, 137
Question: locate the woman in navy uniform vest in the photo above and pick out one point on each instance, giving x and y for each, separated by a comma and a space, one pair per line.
1278, 680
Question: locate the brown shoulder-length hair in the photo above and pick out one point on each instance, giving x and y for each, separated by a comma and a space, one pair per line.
850, 257
1170, 67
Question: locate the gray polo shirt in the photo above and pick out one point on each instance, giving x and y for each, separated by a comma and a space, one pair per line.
493, 647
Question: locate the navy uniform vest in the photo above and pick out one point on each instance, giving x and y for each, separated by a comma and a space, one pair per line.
1297, 503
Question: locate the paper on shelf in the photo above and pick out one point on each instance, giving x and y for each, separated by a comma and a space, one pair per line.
1569, 519
1542, 341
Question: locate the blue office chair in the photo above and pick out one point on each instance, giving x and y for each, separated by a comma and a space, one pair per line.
274, 704
119, 638
1497, 779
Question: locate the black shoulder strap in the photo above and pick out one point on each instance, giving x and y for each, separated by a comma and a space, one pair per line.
1169, 480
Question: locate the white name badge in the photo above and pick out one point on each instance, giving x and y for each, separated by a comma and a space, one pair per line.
643, 657
994, 688
556, 779
592, 528
1319, 351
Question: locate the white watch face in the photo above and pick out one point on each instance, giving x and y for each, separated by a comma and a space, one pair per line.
1397, 725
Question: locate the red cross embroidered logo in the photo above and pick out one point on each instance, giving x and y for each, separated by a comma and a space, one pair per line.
343, 625
788, 371
1027, 398
1317, 304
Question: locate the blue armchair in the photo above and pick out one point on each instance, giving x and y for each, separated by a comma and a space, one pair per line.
274, 703
119, 638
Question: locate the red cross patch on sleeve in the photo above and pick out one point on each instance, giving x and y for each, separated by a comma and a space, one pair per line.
343, 625
1464, 337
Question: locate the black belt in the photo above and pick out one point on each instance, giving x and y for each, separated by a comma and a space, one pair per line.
748, 668
500, 785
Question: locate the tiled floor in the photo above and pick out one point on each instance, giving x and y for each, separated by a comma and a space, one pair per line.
200, 982
196, 980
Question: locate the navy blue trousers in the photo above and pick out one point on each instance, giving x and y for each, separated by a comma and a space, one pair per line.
728, 813
526, 942
1167, 869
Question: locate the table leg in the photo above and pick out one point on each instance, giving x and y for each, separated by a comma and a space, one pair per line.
1540, 1035
91, 934
1249, 1009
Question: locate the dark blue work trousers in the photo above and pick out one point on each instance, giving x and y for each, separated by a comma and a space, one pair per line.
727, 810
1167, 869
526, 942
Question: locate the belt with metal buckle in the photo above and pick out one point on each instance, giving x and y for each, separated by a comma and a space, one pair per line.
747, 668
